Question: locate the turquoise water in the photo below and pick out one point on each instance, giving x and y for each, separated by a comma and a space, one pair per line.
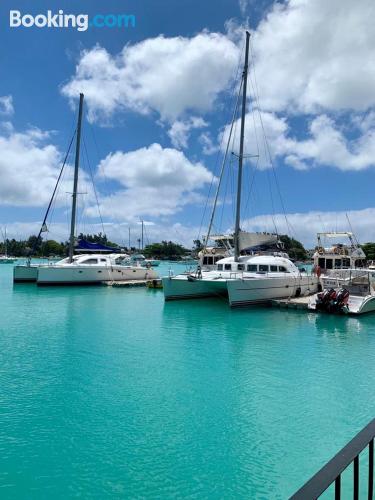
110, 393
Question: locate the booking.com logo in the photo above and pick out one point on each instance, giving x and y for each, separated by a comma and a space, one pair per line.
80, 21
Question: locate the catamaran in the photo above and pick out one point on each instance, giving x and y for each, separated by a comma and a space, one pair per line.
88, 268
244, 279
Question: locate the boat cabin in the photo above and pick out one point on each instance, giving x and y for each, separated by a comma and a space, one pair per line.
339, 255
261, 264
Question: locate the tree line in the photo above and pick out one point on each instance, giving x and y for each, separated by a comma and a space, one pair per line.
167, 250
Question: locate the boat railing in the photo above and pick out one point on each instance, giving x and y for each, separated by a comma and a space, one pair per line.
331, 473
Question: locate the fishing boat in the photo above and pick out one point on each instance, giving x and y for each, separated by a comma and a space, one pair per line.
244, 279
348, 281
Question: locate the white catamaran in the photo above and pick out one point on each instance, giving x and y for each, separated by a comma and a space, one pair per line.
88, 268
244, 279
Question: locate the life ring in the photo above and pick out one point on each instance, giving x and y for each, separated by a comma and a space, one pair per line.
213, 251
148, 265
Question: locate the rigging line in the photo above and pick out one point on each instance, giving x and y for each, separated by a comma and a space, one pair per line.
221, 142
54, 192
222, 167
267, 144
93, 184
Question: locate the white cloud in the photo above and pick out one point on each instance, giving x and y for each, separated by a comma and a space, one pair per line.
6, 105
166, 75
29, 168
180, 130
316, 55
325, 145
154, 181
306, 225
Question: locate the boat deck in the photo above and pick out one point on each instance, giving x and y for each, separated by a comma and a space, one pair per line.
292, 302
156, 283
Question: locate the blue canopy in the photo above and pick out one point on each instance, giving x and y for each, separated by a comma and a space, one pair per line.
94, 247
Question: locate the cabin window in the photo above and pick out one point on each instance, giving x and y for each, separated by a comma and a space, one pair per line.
338, 263
252, 268
322, 263
227, 267
282, 269
103, 260
345, 263
220, 267
263, 268
204, 261
359, 263
90, 261
241, 267
329, 264
218, 257
273, 269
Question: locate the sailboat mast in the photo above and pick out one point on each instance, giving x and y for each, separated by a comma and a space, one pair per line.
75, 181
142, 235
240, 159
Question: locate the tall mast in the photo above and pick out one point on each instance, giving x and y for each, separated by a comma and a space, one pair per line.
129, 238
75, 182
142, 235
240, 159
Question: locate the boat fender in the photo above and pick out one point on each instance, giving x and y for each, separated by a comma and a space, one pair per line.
199, 272
148, 265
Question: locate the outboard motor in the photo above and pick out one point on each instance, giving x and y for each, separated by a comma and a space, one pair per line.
341, 302
325, 300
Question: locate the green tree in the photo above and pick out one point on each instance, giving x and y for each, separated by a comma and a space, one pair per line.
165, 250
369, 249
294, 248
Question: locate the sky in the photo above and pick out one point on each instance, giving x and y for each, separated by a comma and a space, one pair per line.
159, 99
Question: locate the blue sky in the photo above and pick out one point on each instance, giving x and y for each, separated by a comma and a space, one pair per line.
158, 100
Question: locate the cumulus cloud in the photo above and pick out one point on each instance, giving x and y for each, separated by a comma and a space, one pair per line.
167, 75
316, 55
154, 181
180, 130
325, 144
6, 105
29, 168
305, 226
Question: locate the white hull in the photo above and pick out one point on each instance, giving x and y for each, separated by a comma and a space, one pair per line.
248, 291
179, 287
24, 274
85, 275
356, 304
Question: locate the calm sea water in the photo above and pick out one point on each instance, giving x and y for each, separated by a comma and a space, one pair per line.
111, 393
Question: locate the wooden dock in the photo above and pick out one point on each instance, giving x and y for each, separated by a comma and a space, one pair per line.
156, 283
292, 303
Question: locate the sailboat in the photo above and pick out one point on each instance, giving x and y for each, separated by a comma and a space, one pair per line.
244, 279
88, 268
4, 259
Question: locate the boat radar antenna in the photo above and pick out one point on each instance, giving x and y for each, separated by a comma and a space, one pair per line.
75, 181
240, 158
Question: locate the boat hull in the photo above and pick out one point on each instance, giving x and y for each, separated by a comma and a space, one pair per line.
25, 274
91, 275
250, 291
180, 287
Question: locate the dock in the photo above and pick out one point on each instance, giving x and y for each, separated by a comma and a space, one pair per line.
292, 302
156, 283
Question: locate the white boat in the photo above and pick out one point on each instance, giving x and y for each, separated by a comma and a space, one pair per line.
351, 292
139, 258
244, 279
5, 259
92, 269
348, 282
250, 280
